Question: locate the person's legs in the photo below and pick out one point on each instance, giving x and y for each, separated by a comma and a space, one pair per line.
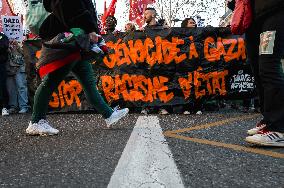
38, 124
246, 105
272, 71
271, 64
3, 90
252, 47
12, 92
21, 82
45, 90
85, 75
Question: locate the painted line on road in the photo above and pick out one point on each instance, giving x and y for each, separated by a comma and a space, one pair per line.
212, 124
146, 160
175, 134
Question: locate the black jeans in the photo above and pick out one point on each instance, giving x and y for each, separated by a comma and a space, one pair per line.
3, 88
265, 48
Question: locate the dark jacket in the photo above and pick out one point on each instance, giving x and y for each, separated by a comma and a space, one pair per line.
66, 14
266, 7
4, 44
262, 8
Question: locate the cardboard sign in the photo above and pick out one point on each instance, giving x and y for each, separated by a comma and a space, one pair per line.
12, 27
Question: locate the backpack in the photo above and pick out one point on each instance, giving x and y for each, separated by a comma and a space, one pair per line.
35, 15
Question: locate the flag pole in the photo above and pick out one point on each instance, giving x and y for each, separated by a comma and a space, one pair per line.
162, 9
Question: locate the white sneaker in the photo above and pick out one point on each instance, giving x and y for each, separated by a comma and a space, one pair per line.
24, 111
267, 138
259, 126
144, 111
116, 115
163, 112
5, 112
199, 112
186, 112
41, 128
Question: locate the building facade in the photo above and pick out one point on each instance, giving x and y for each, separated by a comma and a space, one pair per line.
225, 20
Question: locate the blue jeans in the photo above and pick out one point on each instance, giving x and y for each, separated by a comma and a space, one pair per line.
17, 89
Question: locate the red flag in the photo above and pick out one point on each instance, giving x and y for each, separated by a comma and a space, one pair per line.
137, 8
105, 6
110, 11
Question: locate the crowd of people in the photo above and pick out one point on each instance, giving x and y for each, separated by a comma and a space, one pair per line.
264, 42
13, 88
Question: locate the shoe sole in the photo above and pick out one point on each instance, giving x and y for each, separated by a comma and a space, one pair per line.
251, 133
41, 134
265, 143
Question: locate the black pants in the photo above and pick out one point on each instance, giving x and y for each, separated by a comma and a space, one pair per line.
3, 88
265, 48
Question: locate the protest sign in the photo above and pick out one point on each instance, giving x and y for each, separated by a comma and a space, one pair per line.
12, 27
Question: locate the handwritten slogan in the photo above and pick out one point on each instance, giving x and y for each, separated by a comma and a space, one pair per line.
12, 27
242, 82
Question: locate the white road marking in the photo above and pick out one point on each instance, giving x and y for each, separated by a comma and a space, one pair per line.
146, 160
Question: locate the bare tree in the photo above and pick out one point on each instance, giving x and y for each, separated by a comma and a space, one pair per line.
174, 10
18, 6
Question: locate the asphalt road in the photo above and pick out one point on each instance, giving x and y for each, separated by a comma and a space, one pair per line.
86, 154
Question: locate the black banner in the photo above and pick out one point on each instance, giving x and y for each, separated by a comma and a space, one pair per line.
162, 67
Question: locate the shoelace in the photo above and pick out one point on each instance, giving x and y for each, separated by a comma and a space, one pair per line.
264, 132
261, 123
116, 108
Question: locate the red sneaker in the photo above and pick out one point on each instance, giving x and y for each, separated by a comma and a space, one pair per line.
259, 126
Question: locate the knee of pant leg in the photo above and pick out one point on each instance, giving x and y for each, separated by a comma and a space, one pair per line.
271, 70
46, 83
268, 64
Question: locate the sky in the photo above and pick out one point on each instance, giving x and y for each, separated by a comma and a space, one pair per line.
121, 11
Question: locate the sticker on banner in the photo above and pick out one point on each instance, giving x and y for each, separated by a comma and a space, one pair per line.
267, 42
